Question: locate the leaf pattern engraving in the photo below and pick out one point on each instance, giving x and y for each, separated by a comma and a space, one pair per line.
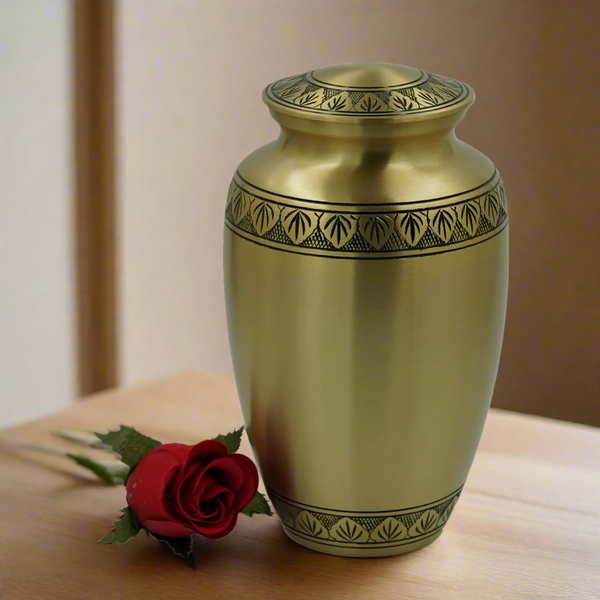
376, 229
426, 523
443, 91
230, 194
298, 224
338, 228
365, 529
287, 82
312, 99
490, 205
286, 513
419, 230
428, 92
412, 226
347, 530
446, 514
338, 103
469, 214
291, 93
390, 530
307, 524
502, 197
425, 98
240, 204
400, 102
442, 222
264, 216
370, 103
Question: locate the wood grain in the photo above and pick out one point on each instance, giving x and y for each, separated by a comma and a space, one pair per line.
527, 524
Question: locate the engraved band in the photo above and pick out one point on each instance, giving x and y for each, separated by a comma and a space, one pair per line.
306, 93
366, 231
383, 529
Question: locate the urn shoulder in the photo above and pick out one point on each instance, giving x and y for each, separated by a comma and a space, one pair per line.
367, 133
367, 164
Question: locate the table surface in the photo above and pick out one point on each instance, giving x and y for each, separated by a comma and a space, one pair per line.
527, 524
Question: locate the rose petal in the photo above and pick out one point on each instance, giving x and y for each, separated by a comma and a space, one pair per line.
211, 491
201, 454
147, 484
177, 512
146, 488
169, 528
221, 510
207, 508
187, 497
195, 478
219, 530
203, 482
215, 512
228, 472
191, 478
188, 493
179, 452
192, 506
191, 488
250, 484
226, 497
209, 448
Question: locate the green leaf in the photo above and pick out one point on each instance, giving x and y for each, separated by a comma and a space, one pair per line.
128, 443
85, 438
124, 529
183, 547
258, 505
112, 471
231, 440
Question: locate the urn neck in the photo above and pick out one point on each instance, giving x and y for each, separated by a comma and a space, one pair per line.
318, 136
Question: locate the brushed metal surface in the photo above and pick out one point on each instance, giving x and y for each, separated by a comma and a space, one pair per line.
366, 273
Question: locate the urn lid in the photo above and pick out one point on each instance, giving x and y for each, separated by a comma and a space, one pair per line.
353, 92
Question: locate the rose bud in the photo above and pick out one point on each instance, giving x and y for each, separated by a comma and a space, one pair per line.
177, 490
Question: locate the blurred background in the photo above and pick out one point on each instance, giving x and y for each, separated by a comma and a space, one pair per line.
122, 121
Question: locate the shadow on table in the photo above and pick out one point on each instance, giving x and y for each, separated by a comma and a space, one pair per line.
261, 554
48, 463
256, 561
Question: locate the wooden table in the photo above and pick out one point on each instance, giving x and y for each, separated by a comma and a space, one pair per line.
527, 524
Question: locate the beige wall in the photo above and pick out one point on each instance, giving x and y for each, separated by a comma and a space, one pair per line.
190, 78
37, 337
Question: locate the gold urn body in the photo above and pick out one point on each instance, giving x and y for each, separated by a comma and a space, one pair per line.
366, 274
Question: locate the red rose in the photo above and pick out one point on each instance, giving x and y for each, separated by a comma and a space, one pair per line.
177, 490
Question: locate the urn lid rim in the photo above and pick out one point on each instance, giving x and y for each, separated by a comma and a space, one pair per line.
368, 92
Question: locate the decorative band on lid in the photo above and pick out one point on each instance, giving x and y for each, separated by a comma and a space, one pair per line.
368, 90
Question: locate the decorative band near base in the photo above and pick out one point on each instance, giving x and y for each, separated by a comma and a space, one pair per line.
384, 529
362, 231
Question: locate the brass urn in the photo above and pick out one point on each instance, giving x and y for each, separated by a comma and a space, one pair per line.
366, 274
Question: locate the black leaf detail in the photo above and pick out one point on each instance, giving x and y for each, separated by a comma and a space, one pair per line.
376, 229
298, 224
469, 215
338, 228
443, 221
412, 226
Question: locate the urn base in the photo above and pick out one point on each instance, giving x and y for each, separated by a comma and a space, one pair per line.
363, 533
363, 551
